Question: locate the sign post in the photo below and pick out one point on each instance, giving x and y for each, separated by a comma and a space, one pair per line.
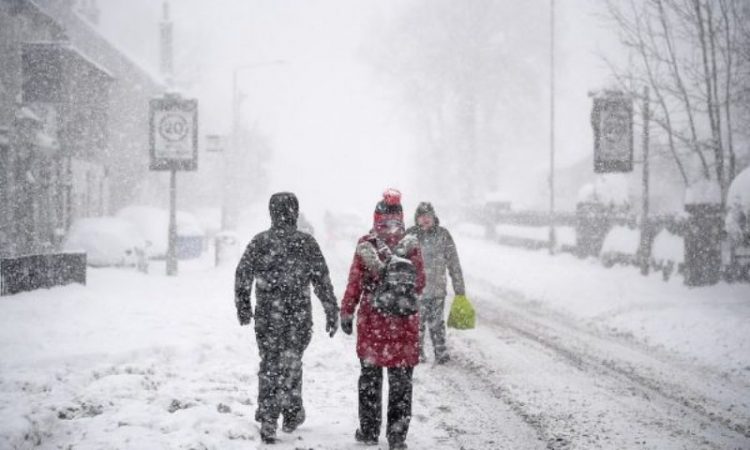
612, 120
174, 146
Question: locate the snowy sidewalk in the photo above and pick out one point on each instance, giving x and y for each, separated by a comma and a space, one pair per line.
145, 361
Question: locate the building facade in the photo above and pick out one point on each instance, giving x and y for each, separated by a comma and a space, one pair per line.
73, 123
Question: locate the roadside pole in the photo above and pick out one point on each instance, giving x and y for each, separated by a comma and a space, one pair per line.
552, 234
645, 252
174, 146
172, 242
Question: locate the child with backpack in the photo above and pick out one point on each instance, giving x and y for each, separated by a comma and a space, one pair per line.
385, 281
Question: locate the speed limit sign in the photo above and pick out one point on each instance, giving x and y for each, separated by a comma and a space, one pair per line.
174, 133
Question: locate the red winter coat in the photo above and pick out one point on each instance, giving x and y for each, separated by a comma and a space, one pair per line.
382, 340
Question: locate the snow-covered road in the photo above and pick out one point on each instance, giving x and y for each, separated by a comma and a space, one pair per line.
135, 361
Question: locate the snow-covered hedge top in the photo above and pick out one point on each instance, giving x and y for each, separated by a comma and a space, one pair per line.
622, 240
738, 206
703, 192
610, 189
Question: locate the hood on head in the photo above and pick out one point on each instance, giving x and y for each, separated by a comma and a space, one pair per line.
284, 209
426, 208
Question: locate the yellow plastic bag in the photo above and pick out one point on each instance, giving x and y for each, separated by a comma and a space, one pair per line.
462, 315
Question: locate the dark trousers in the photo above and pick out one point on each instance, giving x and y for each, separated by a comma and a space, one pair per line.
280, 374
431, 319
399, 401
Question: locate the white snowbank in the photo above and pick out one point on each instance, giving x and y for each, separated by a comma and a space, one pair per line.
703, 192
107, 241
668, 247
622, 240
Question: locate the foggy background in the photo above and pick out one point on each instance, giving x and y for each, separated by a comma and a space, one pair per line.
331, 108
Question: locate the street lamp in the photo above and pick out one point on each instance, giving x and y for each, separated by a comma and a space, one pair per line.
234, 144
552, 236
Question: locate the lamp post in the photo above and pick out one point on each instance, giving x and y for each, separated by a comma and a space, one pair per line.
226, 222
552, 235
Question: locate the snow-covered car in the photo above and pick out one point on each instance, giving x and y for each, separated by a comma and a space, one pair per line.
107, 241
153, 224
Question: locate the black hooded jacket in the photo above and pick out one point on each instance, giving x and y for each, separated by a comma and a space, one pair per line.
283, 262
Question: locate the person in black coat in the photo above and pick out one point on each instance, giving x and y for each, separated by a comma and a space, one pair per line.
282, 262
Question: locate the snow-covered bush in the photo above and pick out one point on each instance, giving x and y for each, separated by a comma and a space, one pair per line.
620, 246
667, 253
704, 192
107, 241
610, 190
737, 221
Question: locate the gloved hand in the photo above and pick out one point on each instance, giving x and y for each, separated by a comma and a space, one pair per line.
332, 323
347, 324
244, 313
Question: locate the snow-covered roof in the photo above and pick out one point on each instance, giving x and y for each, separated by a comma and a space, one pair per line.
81, 31
73, 50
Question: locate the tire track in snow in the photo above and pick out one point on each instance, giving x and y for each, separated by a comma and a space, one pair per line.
471, 412
631, 369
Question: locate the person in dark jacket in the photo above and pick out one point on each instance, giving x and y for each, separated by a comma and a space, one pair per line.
383, 341
440, 256
283, 262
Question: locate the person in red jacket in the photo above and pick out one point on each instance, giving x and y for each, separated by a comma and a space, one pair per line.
383, 341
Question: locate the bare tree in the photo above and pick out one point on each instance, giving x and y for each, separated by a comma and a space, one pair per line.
693, 55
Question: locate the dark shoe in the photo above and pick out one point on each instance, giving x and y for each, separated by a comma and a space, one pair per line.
292, 421
359, 436
399, 445
442, 359
268, 433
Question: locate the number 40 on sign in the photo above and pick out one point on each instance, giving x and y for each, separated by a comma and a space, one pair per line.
174, 133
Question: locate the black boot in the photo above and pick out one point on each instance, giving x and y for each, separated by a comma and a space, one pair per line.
397, 445
443, 358
268, 433
359, 436
292, 421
